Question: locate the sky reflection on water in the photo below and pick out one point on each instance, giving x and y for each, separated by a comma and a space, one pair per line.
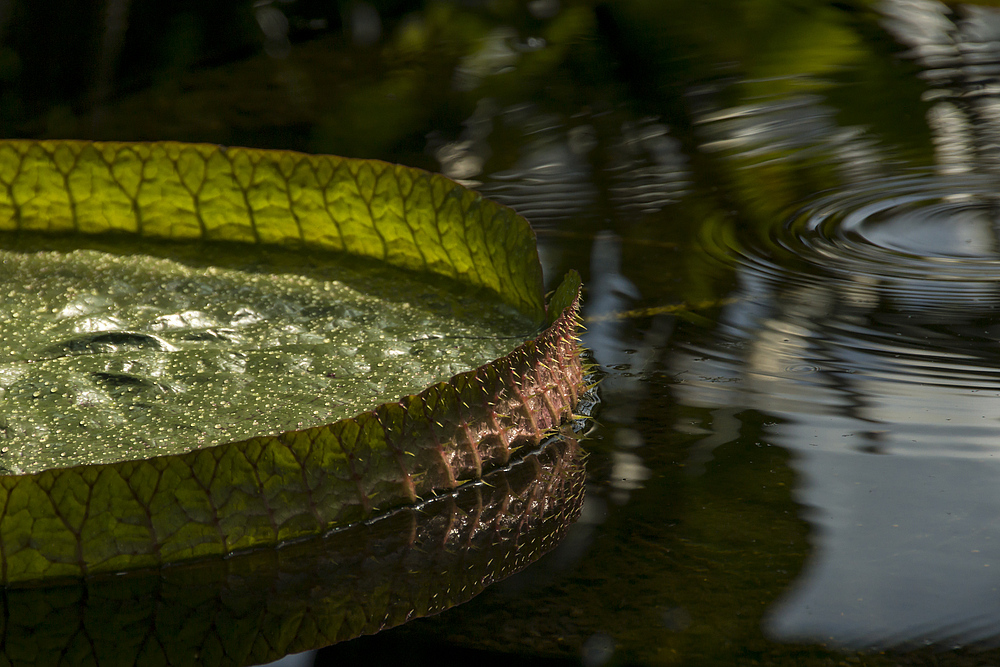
866, 325
896, 475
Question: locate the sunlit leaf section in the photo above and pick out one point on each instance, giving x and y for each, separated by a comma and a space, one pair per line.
406, 217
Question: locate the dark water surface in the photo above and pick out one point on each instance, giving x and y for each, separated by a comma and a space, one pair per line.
787, 217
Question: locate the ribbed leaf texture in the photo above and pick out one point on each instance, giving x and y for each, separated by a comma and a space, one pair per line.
230, 498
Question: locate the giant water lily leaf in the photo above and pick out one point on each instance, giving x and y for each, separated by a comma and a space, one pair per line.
272, 488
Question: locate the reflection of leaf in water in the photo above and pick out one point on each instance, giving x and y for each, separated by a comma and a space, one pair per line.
259, 606
270, 489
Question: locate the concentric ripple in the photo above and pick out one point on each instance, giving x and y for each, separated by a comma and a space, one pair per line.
876, 308
866, 325
914, 242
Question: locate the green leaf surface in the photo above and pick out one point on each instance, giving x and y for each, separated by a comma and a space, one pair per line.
121, 355
270, 489
402, 216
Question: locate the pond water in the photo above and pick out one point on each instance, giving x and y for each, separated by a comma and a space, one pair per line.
787, 218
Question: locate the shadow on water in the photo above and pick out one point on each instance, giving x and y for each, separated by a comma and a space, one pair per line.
787, 217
